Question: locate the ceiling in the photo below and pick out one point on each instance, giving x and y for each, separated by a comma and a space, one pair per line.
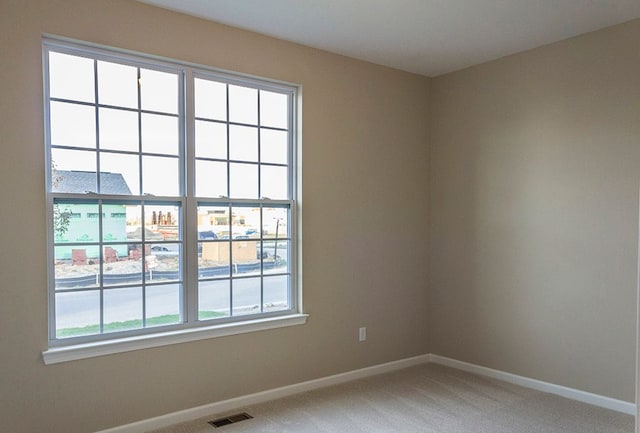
428, 37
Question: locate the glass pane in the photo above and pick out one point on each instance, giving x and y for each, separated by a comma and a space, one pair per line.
211, 179
276, 293
246, 296
76, 267
160, 176
243, 180
214, 299
77, 313
274, 146
160, 134
273, 109
213, 222
114, 224
134, 222
275, 223
113, 257
162, 223
163, 305
245, 257
275, 257
211, 140
73, 222
243, 105
117, 84
119, 174
211, 99
274, 182
68, 171
243, 143
159, 91
118, 130
245, 222
73, 125
71, 77
163, 262
213, 259
122, 264
122, 309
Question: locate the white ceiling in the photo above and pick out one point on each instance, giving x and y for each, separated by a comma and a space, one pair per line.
429, 37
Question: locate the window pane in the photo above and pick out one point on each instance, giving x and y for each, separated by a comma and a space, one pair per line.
160, 134
114, 224
243, 105
77, 313
159, 91
75, 223
163, 262
243, 143
119, 174
245, 222
275, 222
71, 77
211, 179
122, 264
273, 109
213, 259
162, 223
73, 125
214, 299
68, 173
274, 146
274, 182
276, 293
76, 267
163, 305
118, 130
245, 257
211, 99
160, 176
243, 180
211, 140
134, 222
275, 257
213, 255
213, 222
122, 309
246, 296
117, 84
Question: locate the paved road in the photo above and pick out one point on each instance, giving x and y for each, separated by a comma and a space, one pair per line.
76, 309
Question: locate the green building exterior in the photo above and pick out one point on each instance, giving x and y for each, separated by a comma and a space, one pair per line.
84, 218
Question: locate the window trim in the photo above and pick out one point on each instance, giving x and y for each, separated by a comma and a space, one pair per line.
55, 355
62, 349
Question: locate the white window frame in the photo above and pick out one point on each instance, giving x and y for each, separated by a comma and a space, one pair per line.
64, 349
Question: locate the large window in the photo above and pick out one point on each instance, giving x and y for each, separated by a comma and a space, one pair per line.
171, 192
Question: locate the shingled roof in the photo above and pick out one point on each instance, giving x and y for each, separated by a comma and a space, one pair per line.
82, 181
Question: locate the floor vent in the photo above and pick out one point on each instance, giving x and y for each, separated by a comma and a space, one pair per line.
220, 422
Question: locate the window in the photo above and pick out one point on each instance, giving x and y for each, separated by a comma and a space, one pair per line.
172, 196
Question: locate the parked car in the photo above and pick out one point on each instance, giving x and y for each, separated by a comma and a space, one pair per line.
207, 235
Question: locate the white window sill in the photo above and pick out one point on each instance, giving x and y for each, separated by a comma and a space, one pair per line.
88, 350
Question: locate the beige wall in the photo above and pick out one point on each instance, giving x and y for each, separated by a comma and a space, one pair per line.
364, 155
534, 211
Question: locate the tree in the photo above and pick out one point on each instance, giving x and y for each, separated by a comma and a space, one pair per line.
61, 217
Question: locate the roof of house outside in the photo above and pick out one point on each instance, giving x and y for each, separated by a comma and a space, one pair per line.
81, 181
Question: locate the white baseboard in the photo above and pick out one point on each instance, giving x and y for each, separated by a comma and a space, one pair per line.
285, 391
574, 394
260, 397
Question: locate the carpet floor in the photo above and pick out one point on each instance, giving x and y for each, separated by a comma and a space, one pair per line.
428, 398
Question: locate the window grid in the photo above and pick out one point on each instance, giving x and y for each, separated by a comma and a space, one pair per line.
188, 316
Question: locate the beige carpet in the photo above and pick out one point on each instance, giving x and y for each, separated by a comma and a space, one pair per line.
427, 399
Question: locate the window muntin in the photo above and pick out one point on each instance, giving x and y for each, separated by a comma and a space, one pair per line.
122, 265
